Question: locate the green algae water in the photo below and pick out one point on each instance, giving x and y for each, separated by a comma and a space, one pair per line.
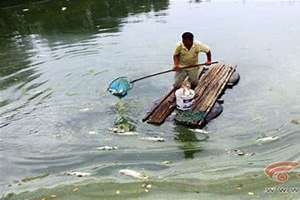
58, 57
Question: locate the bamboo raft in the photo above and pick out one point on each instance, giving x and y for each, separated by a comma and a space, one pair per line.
210, 86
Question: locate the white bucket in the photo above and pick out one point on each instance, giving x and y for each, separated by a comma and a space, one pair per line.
184, 98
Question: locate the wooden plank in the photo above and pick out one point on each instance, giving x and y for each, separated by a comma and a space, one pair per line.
215, 92
160, 112
209, 87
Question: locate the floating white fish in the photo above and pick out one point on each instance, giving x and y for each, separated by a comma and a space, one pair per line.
199, 131
132, 173
64, 8
166, 162
239, 152
107, 148
92, 132
267, 139
129, 133
25, 10
153, 139
84, 109
78, 174
113, 129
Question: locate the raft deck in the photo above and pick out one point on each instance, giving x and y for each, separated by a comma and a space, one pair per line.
210, 86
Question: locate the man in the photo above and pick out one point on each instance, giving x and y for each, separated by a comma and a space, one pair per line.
186, 54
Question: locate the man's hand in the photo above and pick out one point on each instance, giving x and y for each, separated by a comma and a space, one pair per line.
208, 62
176, 68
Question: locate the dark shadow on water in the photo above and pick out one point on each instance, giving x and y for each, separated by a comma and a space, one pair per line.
189, 141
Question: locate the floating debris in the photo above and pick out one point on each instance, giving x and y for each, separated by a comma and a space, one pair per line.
78, 174
25, 10
124, 124
236, 152
250, 193
199, 131
118, 192
31, 178
71, 93
94, 72
75, 189
107, 148
130, 133
68, 74
239, 152
132, 173
250, 154
146, 190
116, 130
64, 8
154, 139
53, 196
146, 186
267, 139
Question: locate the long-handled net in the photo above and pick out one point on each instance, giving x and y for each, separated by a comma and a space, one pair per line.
120, 86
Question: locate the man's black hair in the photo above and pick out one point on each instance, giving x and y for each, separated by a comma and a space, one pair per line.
188, 35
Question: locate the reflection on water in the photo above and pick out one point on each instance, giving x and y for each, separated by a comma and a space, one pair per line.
189, 141
57, 58
32, 34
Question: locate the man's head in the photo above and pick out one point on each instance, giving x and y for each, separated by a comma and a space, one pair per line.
187, 39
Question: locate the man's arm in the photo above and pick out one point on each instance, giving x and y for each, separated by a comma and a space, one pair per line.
208, 56
176, 62
205, 49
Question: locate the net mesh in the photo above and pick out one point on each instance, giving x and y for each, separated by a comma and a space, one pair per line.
120, 86
189, 117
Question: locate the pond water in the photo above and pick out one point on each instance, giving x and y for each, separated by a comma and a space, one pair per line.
58, 57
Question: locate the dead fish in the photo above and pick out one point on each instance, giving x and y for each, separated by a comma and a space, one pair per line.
166, 162
267, 139
92, 132
107, 148
132, 173
154, 139
199, 131
239, 152
129, 133
116, 130
78, 174
84, 109
64, 8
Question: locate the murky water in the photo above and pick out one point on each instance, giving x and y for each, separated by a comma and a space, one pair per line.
57, 58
